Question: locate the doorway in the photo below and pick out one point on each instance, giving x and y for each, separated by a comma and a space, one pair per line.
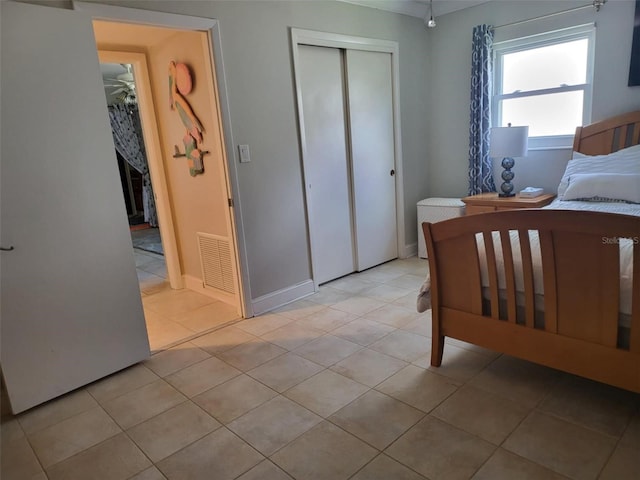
178, 303
135, 179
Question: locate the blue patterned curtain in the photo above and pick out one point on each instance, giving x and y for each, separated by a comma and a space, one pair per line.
480, 166
127, 137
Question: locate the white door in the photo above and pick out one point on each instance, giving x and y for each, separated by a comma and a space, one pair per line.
71, 308
327, 170
369, 86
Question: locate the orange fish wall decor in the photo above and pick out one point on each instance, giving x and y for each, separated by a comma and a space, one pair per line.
180, 85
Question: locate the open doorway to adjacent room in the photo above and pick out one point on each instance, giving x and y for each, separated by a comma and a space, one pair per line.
161, 196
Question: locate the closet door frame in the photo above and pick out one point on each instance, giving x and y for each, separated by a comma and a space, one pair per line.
335, 40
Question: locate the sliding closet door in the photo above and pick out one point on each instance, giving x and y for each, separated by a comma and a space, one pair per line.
369, 85
326, 167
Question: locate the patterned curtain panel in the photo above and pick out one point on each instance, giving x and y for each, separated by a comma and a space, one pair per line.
127, 137
480, 166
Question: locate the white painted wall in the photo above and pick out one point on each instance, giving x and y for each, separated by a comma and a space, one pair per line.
449, 70
257, 56
434, 88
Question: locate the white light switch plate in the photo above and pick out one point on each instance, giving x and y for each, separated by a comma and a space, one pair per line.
244, 153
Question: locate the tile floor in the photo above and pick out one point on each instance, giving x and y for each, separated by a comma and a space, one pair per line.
335, 386
146, 238
175, 316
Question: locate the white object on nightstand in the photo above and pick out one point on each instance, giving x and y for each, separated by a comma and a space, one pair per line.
531, 192
435, 210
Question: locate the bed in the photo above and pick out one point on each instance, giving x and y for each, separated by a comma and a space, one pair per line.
558, 286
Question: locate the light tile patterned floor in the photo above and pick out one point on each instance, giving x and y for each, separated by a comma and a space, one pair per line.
336, 386
175, 316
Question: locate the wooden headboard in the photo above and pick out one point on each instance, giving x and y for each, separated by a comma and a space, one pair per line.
609, 135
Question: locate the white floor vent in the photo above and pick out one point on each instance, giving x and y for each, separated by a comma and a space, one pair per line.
215, 258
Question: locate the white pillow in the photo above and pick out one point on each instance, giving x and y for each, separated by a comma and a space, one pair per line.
622, 161
579, 155
604, 187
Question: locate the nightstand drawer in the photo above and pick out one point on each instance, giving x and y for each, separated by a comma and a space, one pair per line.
475, 209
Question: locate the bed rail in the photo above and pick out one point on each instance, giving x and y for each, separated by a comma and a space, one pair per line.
581, 271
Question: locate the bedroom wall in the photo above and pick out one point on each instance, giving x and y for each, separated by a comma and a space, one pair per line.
449, 72
257, 58
199, 203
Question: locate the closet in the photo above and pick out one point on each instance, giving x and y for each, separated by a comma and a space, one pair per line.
345, 101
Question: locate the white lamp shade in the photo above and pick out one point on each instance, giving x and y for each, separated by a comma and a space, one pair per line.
509, 142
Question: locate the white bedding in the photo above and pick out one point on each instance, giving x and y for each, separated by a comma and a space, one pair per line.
626, 252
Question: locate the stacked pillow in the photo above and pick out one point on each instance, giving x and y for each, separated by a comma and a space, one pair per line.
607, 178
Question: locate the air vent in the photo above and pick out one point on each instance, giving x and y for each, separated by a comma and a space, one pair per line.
215, 258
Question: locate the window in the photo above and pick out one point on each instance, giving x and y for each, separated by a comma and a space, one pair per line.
544, 81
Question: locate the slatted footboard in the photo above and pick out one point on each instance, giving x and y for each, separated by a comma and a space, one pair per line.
576, 323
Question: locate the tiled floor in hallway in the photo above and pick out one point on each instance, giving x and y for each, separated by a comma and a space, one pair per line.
335, 386
174, 316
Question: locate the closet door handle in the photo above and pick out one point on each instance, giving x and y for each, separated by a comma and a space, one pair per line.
7, 249
392, 173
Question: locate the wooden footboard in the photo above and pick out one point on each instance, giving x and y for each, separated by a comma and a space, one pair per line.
580, 331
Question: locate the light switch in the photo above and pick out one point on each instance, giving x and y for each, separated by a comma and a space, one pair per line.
244, 153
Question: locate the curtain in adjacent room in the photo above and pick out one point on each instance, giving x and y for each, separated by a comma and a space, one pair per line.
480, 166
128, 140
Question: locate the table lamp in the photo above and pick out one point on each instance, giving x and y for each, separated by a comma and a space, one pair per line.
508, 142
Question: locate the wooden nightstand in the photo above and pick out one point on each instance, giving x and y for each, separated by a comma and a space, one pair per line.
490, 202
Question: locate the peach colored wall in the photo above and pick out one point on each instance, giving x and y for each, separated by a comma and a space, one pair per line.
198, 203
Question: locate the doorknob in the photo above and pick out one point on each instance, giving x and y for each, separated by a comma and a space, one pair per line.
7, 249
392, 173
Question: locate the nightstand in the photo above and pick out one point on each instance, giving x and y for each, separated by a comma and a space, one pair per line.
491, 202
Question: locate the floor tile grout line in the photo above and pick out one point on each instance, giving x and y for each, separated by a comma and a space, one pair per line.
566, 377
577, 424
155, 464
328, 419
89, 447
534, 408
381, 453
33, 450
244, 413
195, 335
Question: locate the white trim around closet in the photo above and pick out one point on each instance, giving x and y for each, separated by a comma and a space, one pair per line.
336, 40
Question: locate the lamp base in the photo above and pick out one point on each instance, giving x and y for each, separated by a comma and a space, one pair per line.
507, 175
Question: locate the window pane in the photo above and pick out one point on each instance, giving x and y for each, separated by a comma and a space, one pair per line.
545, 67
554, 114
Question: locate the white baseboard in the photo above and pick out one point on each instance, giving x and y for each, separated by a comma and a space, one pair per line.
273, 300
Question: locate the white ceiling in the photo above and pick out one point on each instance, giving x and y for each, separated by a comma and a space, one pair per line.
418, 8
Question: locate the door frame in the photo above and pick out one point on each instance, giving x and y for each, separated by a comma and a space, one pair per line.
154, 157
186, 22
336, 40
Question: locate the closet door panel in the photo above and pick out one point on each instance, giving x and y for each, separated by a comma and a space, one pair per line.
327, 172
370, 100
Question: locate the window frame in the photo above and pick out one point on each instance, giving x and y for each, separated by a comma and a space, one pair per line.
500, 49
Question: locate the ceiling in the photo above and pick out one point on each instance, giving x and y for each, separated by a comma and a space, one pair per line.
418, 8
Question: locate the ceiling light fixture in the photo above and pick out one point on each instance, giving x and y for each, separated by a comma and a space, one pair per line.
431, 22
